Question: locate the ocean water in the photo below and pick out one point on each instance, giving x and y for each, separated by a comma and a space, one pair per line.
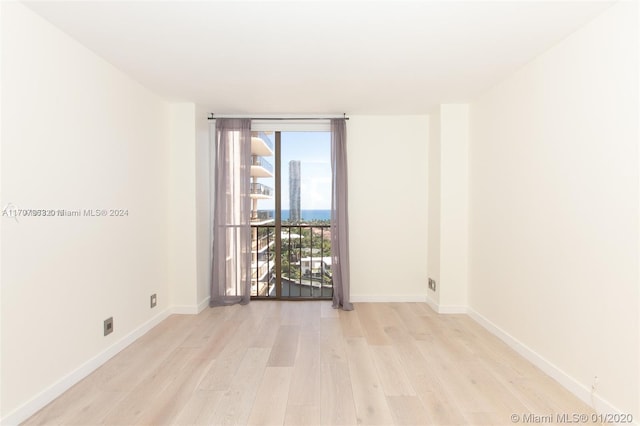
310, 214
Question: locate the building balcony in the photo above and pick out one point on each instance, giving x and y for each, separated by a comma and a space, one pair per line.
261, 145
261, 191
262, 239
260, 269
260, 167
261, 217
261, 278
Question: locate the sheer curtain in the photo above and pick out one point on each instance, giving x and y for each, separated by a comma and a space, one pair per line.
339, 216
231, 272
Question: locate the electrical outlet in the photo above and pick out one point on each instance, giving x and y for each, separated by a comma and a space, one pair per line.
154, 300
432, 284
108, 326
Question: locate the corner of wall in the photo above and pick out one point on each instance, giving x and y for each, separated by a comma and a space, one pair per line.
555, 210
433, 249
449, 214
203, 205
182, 208
103, 148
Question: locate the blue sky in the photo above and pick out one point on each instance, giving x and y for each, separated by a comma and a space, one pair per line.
313, 150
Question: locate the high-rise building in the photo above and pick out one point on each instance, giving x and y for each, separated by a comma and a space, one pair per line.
294, 191
262, 235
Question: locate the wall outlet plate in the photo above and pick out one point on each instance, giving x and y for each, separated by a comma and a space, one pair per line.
108, 326
432, 284
154, 300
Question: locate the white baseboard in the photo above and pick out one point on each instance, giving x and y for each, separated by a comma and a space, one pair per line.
191, 309
432, 304
396, 298
43, 398
184, 309
204, 304
441, 309
572, 385
446, 309
452, 309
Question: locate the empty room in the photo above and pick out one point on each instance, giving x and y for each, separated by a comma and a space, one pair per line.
319, 212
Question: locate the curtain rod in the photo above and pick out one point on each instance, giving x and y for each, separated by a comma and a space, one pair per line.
213, 116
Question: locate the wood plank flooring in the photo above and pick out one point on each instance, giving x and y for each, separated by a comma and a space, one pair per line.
303, 363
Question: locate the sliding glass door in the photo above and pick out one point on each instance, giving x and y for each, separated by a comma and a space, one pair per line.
290, 215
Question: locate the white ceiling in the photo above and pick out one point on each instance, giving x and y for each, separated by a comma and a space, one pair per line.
358, 57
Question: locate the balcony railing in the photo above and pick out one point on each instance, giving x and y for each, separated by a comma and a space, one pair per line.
260, 241
266, 140
305, 261
256, 160
260, 189
261, 215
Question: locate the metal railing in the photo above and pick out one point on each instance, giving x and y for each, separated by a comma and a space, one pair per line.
261, 215
260, 189
256, 160
260, 241
305, 262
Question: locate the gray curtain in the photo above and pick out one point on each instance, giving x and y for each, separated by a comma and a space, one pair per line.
339, 216
231, 272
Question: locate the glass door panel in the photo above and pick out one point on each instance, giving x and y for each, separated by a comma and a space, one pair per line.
291, 215
305, 168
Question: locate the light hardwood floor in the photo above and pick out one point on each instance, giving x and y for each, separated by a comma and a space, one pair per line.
303, 363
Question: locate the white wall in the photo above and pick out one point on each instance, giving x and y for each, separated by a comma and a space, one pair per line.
76, 134
454, 184
388, 207
189, 209
433, 263
448, 194
182, 208
554, 209
203, 207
